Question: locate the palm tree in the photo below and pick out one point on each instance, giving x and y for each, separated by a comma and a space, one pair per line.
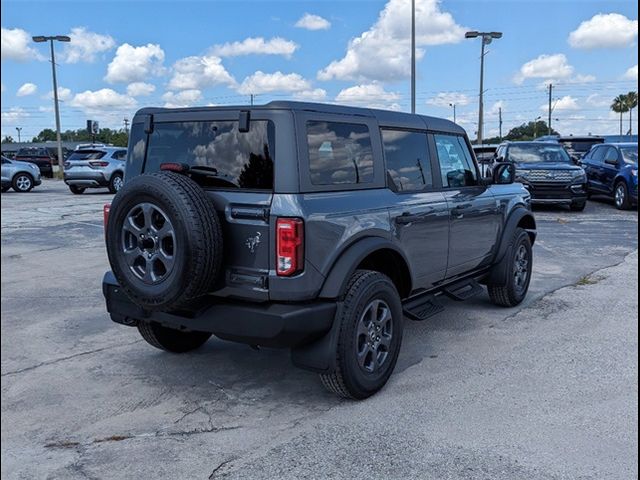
619, 105
632, 102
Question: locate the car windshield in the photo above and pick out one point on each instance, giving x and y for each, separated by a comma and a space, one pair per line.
538, 154
86, 155
630, 155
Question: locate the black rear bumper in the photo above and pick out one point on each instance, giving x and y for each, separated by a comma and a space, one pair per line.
268, 324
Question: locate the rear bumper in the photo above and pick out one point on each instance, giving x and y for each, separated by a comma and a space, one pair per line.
86, 179
269, 324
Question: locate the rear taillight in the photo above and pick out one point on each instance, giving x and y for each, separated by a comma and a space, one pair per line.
289, 246
98, 164
105, 214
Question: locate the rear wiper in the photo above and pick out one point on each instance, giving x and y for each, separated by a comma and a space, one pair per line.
211, 172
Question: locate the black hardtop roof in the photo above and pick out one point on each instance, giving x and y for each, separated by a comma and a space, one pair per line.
384, 117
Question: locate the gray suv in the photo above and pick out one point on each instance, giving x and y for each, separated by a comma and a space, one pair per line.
95, 167
313, 227
22, 176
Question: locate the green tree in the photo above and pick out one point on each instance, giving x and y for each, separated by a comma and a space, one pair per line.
119, 138
619, 105
7, 139
528, 131
632, 102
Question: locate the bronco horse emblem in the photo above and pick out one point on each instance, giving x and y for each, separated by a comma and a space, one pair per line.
252, 242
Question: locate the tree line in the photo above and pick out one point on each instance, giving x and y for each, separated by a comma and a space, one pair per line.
119, 138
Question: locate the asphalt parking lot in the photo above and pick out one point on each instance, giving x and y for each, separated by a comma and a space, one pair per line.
544, 391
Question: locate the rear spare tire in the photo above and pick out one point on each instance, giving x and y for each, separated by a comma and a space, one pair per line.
164, 240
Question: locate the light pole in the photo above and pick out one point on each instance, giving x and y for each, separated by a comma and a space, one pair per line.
454, 111
59, 38
487, 38
19, 129
413, 56
535, 127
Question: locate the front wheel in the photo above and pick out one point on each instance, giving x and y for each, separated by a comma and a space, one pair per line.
76, 190
22, 183
621, 196
116, 182
519, 265
369, 338
170, 339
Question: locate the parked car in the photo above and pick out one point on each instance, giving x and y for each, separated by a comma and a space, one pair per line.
612, 170
547, 171
94, 168
576, 145
365, 217
22, 176
485, 155
44, 158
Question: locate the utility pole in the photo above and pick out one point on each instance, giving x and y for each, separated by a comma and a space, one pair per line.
454, 111
550, 107
500, 123
19, 129
126, 125
59, 38
251, 99
413, 56
487, 38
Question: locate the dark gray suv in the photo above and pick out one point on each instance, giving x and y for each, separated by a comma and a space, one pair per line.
312, 227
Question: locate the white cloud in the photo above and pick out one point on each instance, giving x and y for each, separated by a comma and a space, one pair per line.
185, 98
496, 107
383, 52
85, 45
261, 82
610, 30
562, 104
371, 95
14, 114
575, 80
3, 88
545, 66
632, 73
16, 45
192, 73
27, 89
103, 100
45, 109
597, 100
315, 95
313, 22
138, 89
256, 46
64, 94
443, 99
135, 64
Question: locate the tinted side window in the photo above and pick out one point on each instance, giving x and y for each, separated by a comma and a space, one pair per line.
235, 159
611, 154
119, 155
456, 166
339, 153
407, 160
597, 156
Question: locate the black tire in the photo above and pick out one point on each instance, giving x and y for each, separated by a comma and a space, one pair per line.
578, 206
355, 377
115, 183
22, 182
515, 289
171, 340
621, 196
76, 190
171, 253
5, 188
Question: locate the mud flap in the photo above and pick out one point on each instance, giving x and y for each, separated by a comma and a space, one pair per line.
320, 355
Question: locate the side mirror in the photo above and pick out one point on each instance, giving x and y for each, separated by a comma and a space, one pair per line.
504, 173
611, 161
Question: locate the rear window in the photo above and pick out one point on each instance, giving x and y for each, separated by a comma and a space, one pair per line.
32, 152
339, 153
86, 155
237, 159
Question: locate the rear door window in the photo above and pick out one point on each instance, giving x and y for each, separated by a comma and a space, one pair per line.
456, 165
232, 158
339, 153
407, 157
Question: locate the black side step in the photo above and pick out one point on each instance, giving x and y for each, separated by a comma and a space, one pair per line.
463, 290
422, 307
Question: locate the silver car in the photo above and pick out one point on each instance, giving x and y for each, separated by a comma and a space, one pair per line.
95, 167
22, 176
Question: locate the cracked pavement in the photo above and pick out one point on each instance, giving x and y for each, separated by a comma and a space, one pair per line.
544, 391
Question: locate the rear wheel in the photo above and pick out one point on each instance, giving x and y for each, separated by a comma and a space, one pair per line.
76, 190
519, 258
369, 338
621, 196
22, 183
170, 339
116, 182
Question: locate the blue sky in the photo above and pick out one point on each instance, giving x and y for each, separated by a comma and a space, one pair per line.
126, 55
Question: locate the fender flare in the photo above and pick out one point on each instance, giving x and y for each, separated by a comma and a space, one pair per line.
342, 269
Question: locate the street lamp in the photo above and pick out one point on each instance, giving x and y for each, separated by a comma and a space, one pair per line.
19, 129
454, 111
535, 127
59, 38
487, 38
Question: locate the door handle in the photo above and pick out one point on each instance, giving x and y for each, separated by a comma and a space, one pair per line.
458, 210
405, 218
